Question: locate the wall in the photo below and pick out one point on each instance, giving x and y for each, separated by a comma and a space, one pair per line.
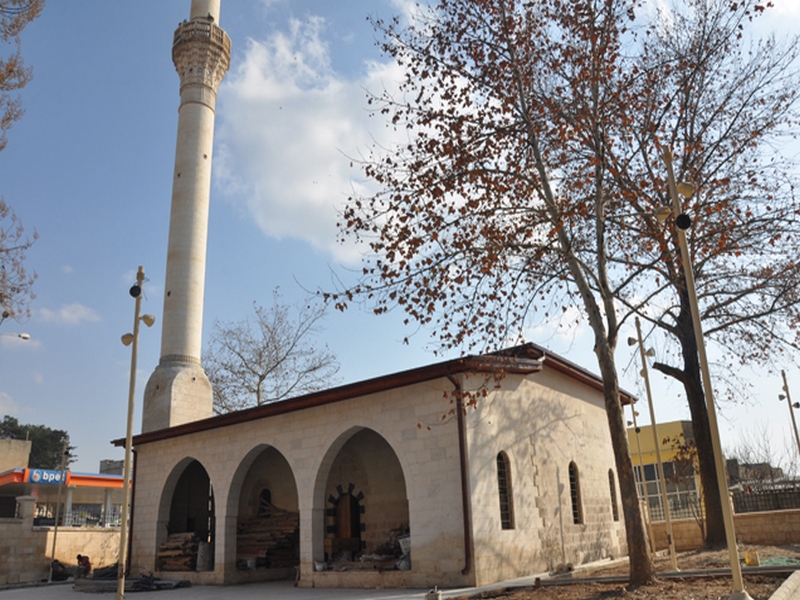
14, 454
311, 440
25, 551
542, 423
764, 528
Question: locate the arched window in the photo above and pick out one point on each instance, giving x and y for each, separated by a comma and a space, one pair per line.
575, 494
505, 491
613, 489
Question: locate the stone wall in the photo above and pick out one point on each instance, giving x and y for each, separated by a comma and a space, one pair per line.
761, 528
25, 550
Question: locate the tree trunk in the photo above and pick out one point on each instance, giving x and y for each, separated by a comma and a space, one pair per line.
692, 382
691, 378
642, 570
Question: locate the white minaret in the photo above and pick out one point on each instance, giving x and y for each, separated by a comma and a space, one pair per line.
178, 390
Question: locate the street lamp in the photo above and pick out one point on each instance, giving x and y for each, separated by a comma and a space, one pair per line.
656, 442
642, 500
791, 408
684, 222
22, 336
130, 339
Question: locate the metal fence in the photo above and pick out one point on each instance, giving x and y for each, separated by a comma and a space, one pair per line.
80, 515
761, 499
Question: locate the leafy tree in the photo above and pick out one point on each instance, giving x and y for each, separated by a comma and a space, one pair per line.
46, 444
16, 282
269, 357
14, 75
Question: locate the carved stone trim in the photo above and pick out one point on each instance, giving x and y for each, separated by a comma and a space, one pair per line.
181, 358
201, 52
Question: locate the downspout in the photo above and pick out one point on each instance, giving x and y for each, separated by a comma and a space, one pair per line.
465, 503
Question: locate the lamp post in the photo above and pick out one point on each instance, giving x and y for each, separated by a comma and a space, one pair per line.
643, 500
684, 222
791, 408
130, 339
656, 442
62, 477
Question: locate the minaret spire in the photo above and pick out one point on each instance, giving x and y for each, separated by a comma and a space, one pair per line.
178, 390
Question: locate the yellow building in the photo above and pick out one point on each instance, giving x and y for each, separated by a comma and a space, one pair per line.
679, 458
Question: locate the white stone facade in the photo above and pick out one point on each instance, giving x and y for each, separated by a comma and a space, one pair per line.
392, 447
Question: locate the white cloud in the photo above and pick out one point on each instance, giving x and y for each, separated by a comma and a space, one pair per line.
7, 405
288, 128
69, 314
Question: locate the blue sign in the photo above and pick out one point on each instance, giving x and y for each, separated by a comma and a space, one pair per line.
46, 476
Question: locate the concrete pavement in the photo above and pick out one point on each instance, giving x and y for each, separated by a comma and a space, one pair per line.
285, 590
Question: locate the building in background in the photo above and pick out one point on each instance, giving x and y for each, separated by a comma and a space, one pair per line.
678, 455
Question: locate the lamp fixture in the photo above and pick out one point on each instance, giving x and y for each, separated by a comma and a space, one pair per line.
149, 320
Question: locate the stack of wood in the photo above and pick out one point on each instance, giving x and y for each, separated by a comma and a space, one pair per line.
178, 553
273, 536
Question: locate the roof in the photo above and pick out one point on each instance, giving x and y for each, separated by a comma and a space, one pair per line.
525, 359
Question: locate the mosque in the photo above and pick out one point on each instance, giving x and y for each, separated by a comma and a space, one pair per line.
397, 481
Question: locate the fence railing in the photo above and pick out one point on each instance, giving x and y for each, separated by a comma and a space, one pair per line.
762, 499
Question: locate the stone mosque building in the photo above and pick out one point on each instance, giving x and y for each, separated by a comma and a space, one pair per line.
389, 482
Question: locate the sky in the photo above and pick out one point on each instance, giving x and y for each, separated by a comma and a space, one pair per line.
89, 167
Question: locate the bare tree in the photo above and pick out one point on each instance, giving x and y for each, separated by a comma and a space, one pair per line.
16, 282
269, 357
497, 204
531, 175
14, 75
724, 101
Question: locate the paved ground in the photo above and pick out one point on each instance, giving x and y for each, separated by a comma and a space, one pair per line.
276, 590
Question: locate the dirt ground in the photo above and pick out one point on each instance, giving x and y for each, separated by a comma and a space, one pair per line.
575, 587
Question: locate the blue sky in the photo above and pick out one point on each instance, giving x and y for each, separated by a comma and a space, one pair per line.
90, 168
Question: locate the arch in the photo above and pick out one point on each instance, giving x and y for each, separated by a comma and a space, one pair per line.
575, 494
186, 519
360, 498
612, 486
263, 526
505, 491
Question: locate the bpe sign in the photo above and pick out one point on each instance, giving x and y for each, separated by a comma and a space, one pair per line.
45, 476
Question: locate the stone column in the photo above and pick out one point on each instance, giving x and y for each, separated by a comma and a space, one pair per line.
178, 390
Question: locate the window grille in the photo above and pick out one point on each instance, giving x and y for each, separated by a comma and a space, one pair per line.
505, 491
575, 494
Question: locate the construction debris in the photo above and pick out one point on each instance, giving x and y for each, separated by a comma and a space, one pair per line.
178, 553
270, 540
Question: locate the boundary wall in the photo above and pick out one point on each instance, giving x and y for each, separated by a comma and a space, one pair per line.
25, 550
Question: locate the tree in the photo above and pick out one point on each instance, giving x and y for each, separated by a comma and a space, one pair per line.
724, 100
15, 281
14, 75
683, 474
496, 205
46, 444
269, 357
536, 153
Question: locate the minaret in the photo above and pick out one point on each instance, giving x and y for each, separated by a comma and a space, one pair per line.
178, 390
